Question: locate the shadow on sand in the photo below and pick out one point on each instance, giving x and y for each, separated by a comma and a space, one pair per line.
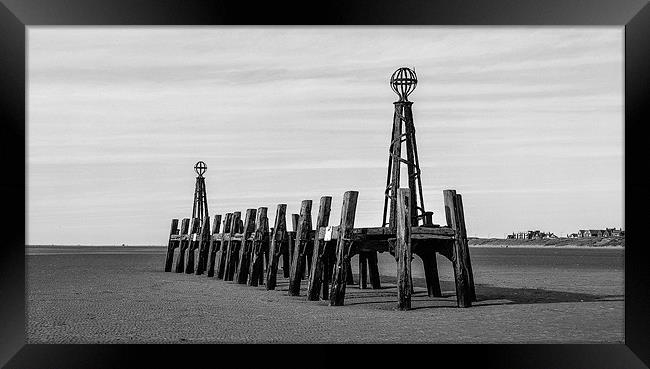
487, 295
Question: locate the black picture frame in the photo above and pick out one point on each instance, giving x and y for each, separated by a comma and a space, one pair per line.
16, 15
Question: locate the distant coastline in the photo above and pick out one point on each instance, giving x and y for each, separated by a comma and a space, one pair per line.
596, 242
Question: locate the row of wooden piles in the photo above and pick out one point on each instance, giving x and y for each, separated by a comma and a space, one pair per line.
248, 252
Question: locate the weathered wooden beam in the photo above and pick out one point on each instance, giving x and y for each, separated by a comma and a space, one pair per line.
304, 225
222, 253
260, 243
204, 240
194, 244
318, 252
463, 237
246, 246
373, 269
363, 270
180, 262
171, 245
463, 296
275, 249
214, 245
431, 273
403, 249
232, 251
337, 291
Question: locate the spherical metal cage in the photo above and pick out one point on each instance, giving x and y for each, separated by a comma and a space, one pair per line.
200, 168
403, 82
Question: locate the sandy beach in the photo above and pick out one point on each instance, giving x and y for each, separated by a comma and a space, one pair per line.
121, 295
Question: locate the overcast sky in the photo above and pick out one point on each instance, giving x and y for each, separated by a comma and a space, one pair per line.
526, 123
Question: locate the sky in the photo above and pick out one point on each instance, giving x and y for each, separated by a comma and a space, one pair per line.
525, 122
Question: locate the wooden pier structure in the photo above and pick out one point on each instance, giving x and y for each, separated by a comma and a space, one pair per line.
248, 251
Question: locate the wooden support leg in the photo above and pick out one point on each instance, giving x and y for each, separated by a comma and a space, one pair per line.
337, 291
171, 245
257, 253
180, 262
463, 230
463, 296
403, 249
297, 266
232, 250
194, 243
275, 249
431, 274
243, 264
222, 253
213, 245
318, 252
349, 277
373, 270
203, 246
363, 270
286, 257
329, 261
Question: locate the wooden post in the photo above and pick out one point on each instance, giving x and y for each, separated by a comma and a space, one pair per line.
275, 249
337, 291
231, 251
203, 246
222, 253
304, 226
349, 278
171, 245
403, 248
318, 252
363, 270
260, 239
245, 248
194, 243
213, 244
463, 233
180, 262
373, 270
463, 296
431, 273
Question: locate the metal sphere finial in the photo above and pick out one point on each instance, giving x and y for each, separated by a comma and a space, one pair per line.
200, 168
403, 82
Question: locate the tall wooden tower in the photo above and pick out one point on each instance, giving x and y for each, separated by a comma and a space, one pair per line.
403, 82
200, 206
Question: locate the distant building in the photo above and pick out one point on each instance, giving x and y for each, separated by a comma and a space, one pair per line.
607, 232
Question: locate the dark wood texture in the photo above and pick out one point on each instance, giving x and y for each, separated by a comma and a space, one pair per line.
337, 291
373, 269
180, 262
194, 244
204, 242
403, 249
232, 248
278, 238
363, 270
463, 237
171, 245
214, 245
259, 245
318, 251
463, 296
299, 252
246, 246
222, 254
431, 273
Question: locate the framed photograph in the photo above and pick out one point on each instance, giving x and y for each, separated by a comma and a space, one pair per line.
462, 175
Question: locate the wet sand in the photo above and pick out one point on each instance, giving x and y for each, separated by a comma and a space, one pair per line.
121, 295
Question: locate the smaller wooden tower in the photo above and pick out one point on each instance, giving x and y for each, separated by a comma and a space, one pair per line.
200, 207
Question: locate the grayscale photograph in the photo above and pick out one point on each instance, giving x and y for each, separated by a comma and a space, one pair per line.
324, 184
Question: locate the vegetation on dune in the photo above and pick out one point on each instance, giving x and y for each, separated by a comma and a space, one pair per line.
579, 242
